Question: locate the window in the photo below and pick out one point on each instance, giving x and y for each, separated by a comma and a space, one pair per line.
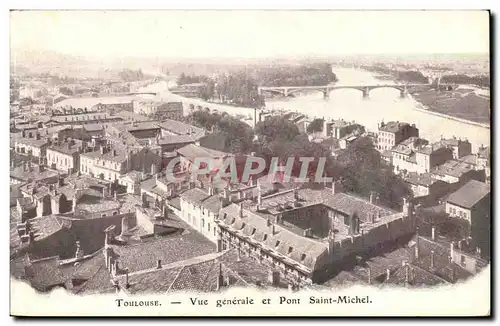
202, 223
208, 227
462, 260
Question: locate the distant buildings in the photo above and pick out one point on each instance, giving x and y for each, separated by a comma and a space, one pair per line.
165, 110
392, 133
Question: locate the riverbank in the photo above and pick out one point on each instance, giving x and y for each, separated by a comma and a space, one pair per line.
449, 117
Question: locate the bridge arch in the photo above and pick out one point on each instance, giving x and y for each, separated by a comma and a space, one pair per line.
397, 87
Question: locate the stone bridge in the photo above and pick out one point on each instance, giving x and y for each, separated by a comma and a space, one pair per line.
365, 89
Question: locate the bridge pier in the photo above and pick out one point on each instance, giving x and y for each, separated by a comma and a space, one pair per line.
403, 93
366, 93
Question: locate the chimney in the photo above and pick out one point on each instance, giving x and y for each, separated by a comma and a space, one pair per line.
433, 236
103, 150
219, 243
369, 275
125, 226
30, 168
116, 195
274, 277
432, 259
416, 250
165, 212
127, 284
452, 249
158, 264
452, 274
259, 193
240, 210
238, 251
296, 193
31, 238
79, 251
388, 274
220, 278
407, 274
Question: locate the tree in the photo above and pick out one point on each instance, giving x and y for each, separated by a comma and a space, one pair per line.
315, 126
276, 128
66, 90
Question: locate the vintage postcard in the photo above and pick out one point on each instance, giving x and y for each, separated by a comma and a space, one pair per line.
250, 163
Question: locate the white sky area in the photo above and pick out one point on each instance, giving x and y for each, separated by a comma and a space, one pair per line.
248, 34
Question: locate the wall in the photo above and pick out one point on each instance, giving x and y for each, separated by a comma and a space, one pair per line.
199, 218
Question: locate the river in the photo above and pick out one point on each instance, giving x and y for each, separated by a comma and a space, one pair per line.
384, 104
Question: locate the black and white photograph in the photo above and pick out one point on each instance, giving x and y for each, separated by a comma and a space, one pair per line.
206, 161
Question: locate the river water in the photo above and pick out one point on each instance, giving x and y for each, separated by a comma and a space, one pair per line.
383, 104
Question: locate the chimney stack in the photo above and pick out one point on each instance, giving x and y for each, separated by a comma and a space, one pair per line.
259, 193
369, 275
371, 197
31, 238
387, 274
274, 277
127, 284
220, 278
433, 236
432, 259
452, 249
158, 264
241, 209
219, 242
407, 274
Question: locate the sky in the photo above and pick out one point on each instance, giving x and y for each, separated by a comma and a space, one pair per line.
248, 34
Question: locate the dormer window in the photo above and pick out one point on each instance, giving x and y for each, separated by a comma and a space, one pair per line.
265, 237
290, 249
277, 243
303, 257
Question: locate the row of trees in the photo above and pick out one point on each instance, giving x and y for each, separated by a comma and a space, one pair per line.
241, 87
131, 75
481, 81
237, 136
304, 75
408, 76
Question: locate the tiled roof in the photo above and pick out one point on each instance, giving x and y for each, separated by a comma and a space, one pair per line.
120, 157
176, 139
181, 128
423, 179
192, 152
32, 141
44, 274
305, 251
350, 204
393, 126
417, 277
452, 168
167, 249
66, 148
469, 194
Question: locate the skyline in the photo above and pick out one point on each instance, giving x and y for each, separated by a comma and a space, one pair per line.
252, 34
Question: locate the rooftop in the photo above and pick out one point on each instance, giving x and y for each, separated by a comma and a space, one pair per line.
168, 249
192, 151
393, 126
452, 168
469, 194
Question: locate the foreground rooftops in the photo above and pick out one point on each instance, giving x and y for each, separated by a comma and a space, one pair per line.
469, 194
